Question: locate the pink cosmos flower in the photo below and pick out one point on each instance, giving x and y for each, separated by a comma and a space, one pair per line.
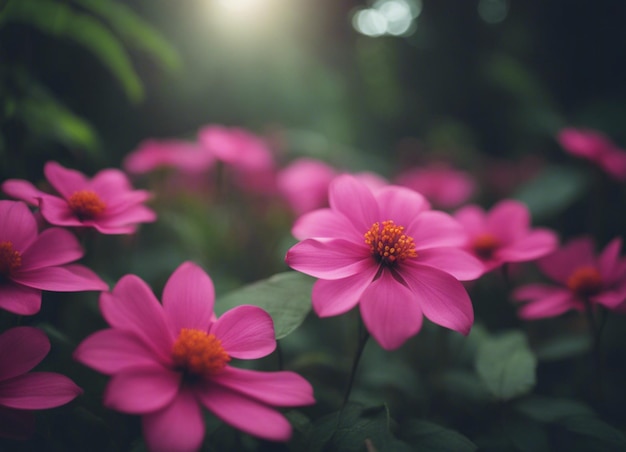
388, 253
106, 202
442, 185
187, 157
504, 234
31, 262
596, 147
167, 361
304, 184
581, 276
21, 391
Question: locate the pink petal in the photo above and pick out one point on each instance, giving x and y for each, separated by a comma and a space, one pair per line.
65, 181
460, 264
549, 306
610, 299
433, 229
119, 202
325, 223
441, 297
57, 211
402, 205
586, 143
141, 390
52, 247
68, 278
390, 312
37, 390
329, 258
133, 307
21, 349
18, 299
110, 183
538, 243
16, 424
246, 414
273, 388
22, 190
535, 291
177, 427
473, 219
17, 225
111, 351
188, 298
338, 296
560, 265
129, 216
508, 220
608, 261
355, 201
246, 332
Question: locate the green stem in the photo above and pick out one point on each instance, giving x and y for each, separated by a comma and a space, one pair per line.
363, 337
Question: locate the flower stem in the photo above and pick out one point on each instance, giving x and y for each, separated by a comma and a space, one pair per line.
595, 330
363, 337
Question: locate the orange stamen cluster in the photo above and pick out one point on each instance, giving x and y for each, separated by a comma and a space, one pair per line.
585, 281
86, 204
198, 354
10, 259
388, 243
484, 245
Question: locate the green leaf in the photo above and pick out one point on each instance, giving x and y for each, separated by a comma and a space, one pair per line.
355, 429
553, 190
285, 296
564, 346
546, 409
429, 437
135, 31
594, 428
506, 365
58, 19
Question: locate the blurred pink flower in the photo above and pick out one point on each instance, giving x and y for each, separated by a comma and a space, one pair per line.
504, 234
21, 349
106, 202
388, 253
169, 360
443, 186
31, 262
582, 277
185, 156
596, 147
304, 184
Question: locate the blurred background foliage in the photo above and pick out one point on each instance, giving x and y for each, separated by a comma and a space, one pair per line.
482, 83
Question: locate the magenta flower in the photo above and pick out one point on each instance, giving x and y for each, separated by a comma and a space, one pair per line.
388, 253
582, 278
595, 147
106, 202
304, 184
21, 391
442, 185
187, 157
31, 262
504, 234
167, 361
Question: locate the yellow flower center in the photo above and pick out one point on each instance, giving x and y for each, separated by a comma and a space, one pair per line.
86, 204
484, 245
198, 354
389, 244
10, 259
585, 281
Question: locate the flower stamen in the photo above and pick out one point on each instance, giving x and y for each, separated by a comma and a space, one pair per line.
86, 204
585, 281
10, 259
484, 245
388, 243
198, 354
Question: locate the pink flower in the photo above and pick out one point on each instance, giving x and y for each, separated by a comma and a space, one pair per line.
503, 234
31, 262
21, 391
388, 253
442, 185
582, 278
167, 361
304, 184
107, 202
596, 147
185, 156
